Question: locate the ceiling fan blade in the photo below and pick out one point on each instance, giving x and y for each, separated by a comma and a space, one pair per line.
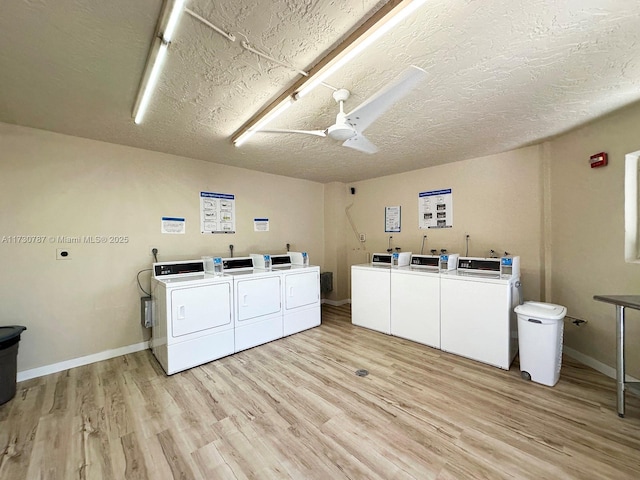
361, 143
368, 111
317, 133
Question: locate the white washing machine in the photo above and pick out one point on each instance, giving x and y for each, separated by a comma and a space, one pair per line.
477, 302
257, 304
415, 300
193, 315
371, 294
300, 291
371, 291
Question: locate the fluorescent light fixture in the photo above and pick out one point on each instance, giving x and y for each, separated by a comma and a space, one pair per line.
358, 46
174, 15
151, 81
263, 121
164, 32
383, 20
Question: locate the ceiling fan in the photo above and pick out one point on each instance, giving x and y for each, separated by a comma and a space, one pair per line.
349, 126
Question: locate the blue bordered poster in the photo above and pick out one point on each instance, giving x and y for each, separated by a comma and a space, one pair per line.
217, 212
435, 209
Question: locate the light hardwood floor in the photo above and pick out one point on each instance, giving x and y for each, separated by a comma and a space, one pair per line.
294, 408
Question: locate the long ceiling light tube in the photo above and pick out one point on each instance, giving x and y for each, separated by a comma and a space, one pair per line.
359, 45
159, 53
386, 18
171, 11
285, 104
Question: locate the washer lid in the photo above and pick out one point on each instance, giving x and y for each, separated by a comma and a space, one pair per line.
543, 311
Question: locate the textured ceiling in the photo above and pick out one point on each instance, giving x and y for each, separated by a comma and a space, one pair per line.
501, 74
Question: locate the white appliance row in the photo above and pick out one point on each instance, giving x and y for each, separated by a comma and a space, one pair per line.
200, 317
467, 311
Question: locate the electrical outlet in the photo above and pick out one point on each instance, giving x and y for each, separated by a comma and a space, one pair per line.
63, 254
150, 250
363, 237
576, 321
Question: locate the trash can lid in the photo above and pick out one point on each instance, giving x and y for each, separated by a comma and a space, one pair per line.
10, 332
543, 311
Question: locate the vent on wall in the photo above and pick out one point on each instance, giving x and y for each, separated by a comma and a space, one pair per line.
326, 282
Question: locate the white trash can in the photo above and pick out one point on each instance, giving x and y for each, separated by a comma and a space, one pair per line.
540, 329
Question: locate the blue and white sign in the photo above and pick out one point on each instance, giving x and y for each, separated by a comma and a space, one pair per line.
174, 225
435, 209
260, 224
217, 212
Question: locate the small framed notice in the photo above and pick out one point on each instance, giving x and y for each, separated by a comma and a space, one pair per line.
174, 225
392, 219
260, 224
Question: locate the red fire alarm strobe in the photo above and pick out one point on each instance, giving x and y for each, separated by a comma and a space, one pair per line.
598, 160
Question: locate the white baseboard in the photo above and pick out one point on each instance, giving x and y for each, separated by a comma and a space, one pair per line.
595, 364
107, 354
78, 362
335, 303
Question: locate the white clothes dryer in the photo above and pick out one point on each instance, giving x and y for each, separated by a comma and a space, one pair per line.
257, 304
300, 291
193, 315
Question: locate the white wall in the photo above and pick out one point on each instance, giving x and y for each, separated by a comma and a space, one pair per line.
587, 238
543, 203
497, 200
55, 185
335, 225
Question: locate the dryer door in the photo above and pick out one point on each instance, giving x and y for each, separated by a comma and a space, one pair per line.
301, 289
258, 297
196, 309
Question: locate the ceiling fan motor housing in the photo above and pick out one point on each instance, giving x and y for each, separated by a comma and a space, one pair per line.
341, 131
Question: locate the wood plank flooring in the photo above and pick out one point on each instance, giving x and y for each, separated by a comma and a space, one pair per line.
295, 409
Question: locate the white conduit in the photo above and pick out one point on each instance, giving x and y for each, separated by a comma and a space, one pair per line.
248, 47
353, 225
228, 36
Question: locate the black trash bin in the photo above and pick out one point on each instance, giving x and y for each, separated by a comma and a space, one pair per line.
9, 339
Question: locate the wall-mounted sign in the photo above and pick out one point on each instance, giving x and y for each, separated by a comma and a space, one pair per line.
172, 225
435, 209
260, 224
392, 219
217, 212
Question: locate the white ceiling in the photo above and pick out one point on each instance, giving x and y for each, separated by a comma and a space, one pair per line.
501, 74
